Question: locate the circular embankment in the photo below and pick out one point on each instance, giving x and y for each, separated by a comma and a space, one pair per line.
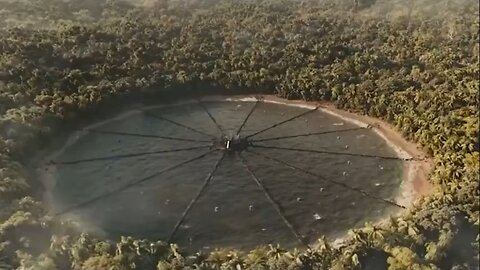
235, 171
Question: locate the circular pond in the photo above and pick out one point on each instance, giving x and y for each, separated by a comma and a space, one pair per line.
237, 173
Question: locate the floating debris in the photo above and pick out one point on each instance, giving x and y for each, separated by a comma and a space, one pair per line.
380, 167
378, 184
185, 226
167, 201
264, 230
339, 124
317, 216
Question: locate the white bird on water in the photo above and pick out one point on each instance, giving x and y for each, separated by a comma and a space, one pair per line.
216, 209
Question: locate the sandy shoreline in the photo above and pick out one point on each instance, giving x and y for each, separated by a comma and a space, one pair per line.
415, 172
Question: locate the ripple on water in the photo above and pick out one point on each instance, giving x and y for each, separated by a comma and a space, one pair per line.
232, 211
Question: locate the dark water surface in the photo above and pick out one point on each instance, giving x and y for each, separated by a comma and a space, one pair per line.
232, 211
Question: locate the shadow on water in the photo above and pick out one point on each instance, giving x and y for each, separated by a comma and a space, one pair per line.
461, 249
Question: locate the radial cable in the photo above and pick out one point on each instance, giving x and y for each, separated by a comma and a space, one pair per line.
308, 134
211, 117
274, 203
328, 152
327, 180
144, 135
282, 122
127, 155
195, 199
129, 185
246, 118
159, 117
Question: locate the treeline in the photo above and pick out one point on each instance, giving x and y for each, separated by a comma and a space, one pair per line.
419, 72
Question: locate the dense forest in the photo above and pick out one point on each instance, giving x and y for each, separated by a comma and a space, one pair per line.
412, 63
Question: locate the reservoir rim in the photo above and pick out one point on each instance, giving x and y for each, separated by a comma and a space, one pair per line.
414, 183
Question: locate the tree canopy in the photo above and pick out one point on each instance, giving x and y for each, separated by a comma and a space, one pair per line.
414, 64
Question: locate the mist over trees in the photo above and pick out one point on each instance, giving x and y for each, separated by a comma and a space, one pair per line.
411, 63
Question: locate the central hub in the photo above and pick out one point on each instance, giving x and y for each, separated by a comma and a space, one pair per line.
233, 144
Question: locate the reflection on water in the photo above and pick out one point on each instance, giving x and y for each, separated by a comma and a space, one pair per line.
232, 211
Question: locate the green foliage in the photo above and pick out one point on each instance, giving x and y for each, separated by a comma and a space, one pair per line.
404, 258
413, 66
